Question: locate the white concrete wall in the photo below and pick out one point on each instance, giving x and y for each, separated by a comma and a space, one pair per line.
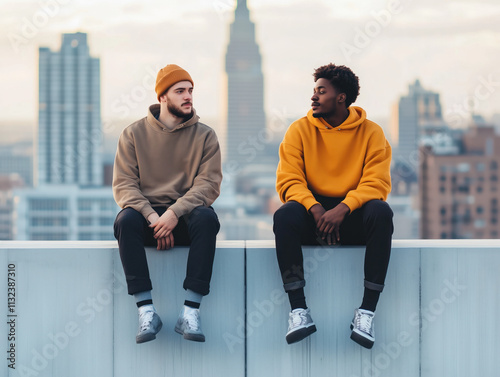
73, 317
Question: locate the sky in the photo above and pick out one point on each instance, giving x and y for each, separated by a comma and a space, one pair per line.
452, 46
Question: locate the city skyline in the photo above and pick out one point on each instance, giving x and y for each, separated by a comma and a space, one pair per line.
387, 44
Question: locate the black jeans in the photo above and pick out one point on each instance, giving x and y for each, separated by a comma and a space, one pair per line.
197, 229
370, 225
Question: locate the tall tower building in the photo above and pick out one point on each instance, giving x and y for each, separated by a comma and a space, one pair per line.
69, 125
415, 115
246, 120
418, 111
68, 201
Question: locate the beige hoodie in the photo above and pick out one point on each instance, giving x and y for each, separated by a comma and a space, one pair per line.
155, 166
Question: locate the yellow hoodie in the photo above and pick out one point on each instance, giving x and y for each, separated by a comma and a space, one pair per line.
350, 161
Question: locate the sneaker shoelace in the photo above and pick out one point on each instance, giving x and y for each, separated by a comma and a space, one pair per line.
146, 320
192, 320
299, 318
364, 322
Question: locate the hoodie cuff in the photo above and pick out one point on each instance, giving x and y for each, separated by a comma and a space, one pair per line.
351, 203
309, 202
146, 211
178, 209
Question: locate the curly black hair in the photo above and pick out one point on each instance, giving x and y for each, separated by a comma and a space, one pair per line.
342, 79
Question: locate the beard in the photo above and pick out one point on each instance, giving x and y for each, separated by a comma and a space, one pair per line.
176, 111
320, 115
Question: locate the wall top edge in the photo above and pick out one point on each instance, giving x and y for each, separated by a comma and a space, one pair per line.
253, 244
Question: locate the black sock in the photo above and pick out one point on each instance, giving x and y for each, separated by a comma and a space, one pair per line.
192, 304
297, 298
144, 302
370, 300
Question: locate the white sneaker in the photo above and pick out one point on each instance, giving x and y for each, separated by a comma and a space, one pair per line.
189, 324
149, 324
300, 325
363, 328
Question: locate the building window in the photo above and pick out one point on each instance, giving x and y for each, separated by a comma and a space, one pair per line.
442, 189
442, 178
85, 221
48, 204
479, 210
479, 223
493, 178
48, 221
479, 189
444, 235
494, 220
48, 236
493, 165
106, 236
443, 211
85, 204
480, 166
84, 236
107, 204
463, 167
105, 221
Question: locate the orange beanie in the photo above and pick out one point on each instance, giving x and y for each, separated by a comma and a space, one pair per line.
168, 76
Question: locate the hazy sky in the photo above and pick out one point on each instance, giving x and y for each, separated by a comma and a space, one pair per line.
452, 46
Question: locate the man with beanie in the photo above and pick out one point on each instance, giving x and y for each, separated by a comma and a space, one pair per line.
333, 178
167, 173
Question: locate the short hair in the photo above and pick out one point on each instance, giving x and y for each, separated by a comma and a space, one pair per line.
342, 79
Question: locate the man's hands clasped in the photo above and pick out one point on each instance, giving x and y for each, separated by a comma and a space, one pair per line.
328, 222
163, 226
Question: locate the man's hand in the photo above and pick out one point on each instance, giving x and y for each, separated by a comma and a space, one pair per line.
164, 225
317, 211
165, 243
329, 224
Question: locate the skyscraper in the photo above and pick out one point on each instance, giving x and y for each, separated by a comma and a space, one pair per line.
417, 111
246, 120
68, 201
69, 125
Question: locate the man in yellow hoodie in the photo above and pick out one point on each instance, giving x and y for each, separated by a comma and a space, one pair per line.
333, 178
167, 173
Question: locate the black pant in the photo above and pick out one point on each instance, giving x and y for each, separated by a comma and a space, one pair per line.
370, 225
198, 229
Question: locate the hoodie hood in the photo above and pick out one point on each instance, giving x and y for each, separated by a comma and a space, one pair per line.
356, 117
154, 112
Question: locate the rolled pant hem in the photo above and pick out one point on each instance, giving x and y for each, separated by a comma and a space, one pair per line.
136, 286
198, 286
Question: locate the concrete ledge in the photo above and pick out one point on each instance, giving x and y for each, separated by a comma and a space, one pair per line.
72, 316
